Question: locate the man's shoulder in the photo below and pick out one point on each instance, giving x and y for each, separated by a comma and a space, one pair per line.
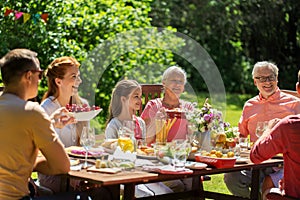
252, 101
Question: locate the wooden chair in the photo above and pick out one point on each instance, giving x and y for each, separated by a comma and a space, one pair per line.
291, 92
150, 91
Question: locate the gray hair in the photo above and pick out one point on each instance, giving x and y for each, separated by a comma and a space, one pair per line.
171, 70
264, 64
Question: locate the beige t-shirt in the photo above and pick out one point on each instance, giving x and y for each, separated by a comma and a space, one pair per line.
24, 127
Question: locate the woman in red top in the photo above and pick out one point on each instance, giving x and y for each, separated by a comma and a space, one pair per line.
173, 80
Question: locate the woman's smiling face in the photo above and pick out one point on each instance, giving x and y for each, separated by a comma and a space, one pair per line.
135, 99
175, 83
71, 81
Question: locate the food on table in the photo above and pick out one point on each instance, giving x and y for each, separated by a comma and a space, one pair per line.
83, 108
230, 154
105, 164
83, 151
74, 162
194, 149
111, 164
126, 144
230, 142
217, 154
145, 150
222, 141
221, 137
162, 129
110, 144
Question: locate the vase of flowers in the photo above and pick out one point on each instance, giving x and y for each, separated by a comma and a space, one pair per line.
207, 121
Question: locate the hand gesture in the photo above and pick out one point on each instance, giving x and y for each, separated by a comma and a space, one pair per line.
62, 117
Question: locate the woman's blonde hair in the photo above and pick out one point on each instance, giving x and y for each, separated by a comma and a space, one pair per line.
122, 89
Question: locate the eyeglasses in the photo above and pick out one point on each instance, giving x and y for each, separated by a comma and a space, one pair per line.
179, 82
263, 79
41, 72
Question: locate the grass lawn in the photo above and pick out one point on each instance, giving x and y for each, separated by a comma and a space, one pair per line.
216, 184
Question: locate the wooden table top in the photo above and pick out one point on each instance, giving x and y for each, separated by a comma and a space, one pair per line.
135, 176
139, 176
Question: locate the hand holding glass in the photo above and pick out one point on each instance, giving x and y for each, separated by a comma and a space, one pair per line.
87, 140
260, 128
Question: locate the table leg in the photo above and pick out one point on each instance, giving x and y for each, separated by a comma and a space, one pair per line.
114, 191
197, 187
255, 185
65, 184
129, 191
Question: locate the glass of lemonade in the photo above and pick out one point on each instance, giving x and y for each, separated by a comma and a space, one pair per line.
126, 140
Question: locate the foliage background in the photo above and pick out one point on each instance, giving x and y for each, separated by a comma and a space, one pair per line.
235, 33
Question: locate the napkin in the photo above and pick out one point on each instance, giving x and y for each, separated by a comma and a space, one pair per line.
143, 162
120, 155
82, 152
167, 169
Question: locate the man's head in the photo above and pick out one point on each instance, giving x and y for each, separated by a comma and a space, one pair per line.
21, 65
265, 76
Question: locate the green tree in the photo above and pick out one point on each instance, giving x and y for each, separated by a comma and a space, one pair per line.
237, 34
77, 28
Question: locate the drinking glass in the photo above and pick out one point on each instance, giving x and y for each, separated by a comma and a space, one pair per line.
73, 132
260, 128
128, 128
243, 144
181, 151
160, 131
87, 140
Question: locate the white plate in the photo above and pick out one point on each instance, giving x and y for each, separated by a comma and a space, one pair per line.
86, 116
195, 165
146, 157
110, 151
241, 160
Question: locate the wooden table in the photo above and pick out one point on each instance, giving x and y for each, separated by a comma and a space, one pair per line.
131, 178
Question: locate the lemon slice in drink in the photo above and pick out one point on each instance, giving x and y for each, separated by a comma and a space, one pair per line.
126, 144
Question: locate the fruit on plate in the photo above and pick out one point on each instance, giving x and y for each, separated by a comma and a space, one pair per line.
111, 164
230, 142
81, 108
217, 154
221, 137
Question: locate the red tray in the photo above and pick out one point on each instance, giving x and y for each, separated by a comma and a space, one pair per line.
216, 162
